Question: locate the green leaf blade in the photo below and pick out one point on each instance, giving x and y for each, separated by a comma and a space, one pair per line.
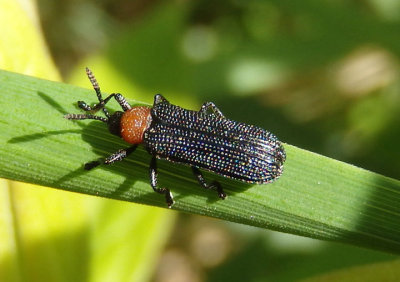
316, 196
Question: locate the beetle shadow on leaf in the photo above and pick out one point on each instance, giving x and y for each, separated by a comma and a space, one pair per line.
31, 137
53, 103
103, 144
35, 136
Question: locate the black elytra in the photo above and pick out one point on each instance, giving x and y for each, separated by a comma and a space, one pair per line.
202, 139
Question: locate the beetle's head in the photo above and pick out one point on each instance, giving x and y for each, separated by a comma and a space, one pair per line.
114, 123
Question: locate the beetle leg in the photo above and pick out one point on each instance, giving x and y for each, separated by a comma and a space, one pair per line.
153, 183
118, 156
214, 185
118, 97
211, 106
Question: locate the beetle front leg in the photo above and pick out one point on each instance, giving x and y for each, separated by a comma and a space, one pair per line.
116, 157
153, 183
214, 185
117, 96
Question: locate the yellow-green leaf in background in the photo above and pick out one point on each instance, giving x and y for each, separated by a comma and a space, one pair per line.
53, 235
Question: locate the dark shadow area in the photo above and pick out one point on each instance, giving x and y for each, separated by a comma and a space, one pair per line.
35, 136
52, 103
382, 154
261, 261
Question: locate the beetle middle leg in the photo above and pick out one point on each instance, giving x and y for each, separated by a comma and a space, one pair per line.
153, 183
117, 156
207, 106
214, 185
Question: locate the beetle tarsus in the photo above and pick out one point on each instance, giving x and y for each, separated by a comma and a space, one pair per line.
84, 106
215, 185
116, 157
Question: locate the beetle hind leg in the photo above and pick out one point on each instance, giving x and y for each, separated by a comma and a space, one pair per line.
213, 185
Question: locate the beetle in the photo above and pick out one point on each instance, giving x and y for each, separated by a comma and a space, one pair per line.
202, 139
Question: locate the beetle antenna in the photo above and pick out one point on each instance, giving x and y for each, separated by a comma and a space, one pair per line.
96, 88
94, 83
85, 116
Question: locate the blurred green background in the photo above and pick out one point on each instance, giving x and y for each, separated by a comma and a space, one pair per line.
321, 75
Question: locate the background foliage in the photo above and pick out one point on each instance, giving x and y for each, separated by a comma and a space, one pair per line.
323, 76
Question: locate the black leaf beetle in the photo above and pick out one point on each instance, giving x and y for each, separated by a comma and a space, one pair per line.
201, 139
